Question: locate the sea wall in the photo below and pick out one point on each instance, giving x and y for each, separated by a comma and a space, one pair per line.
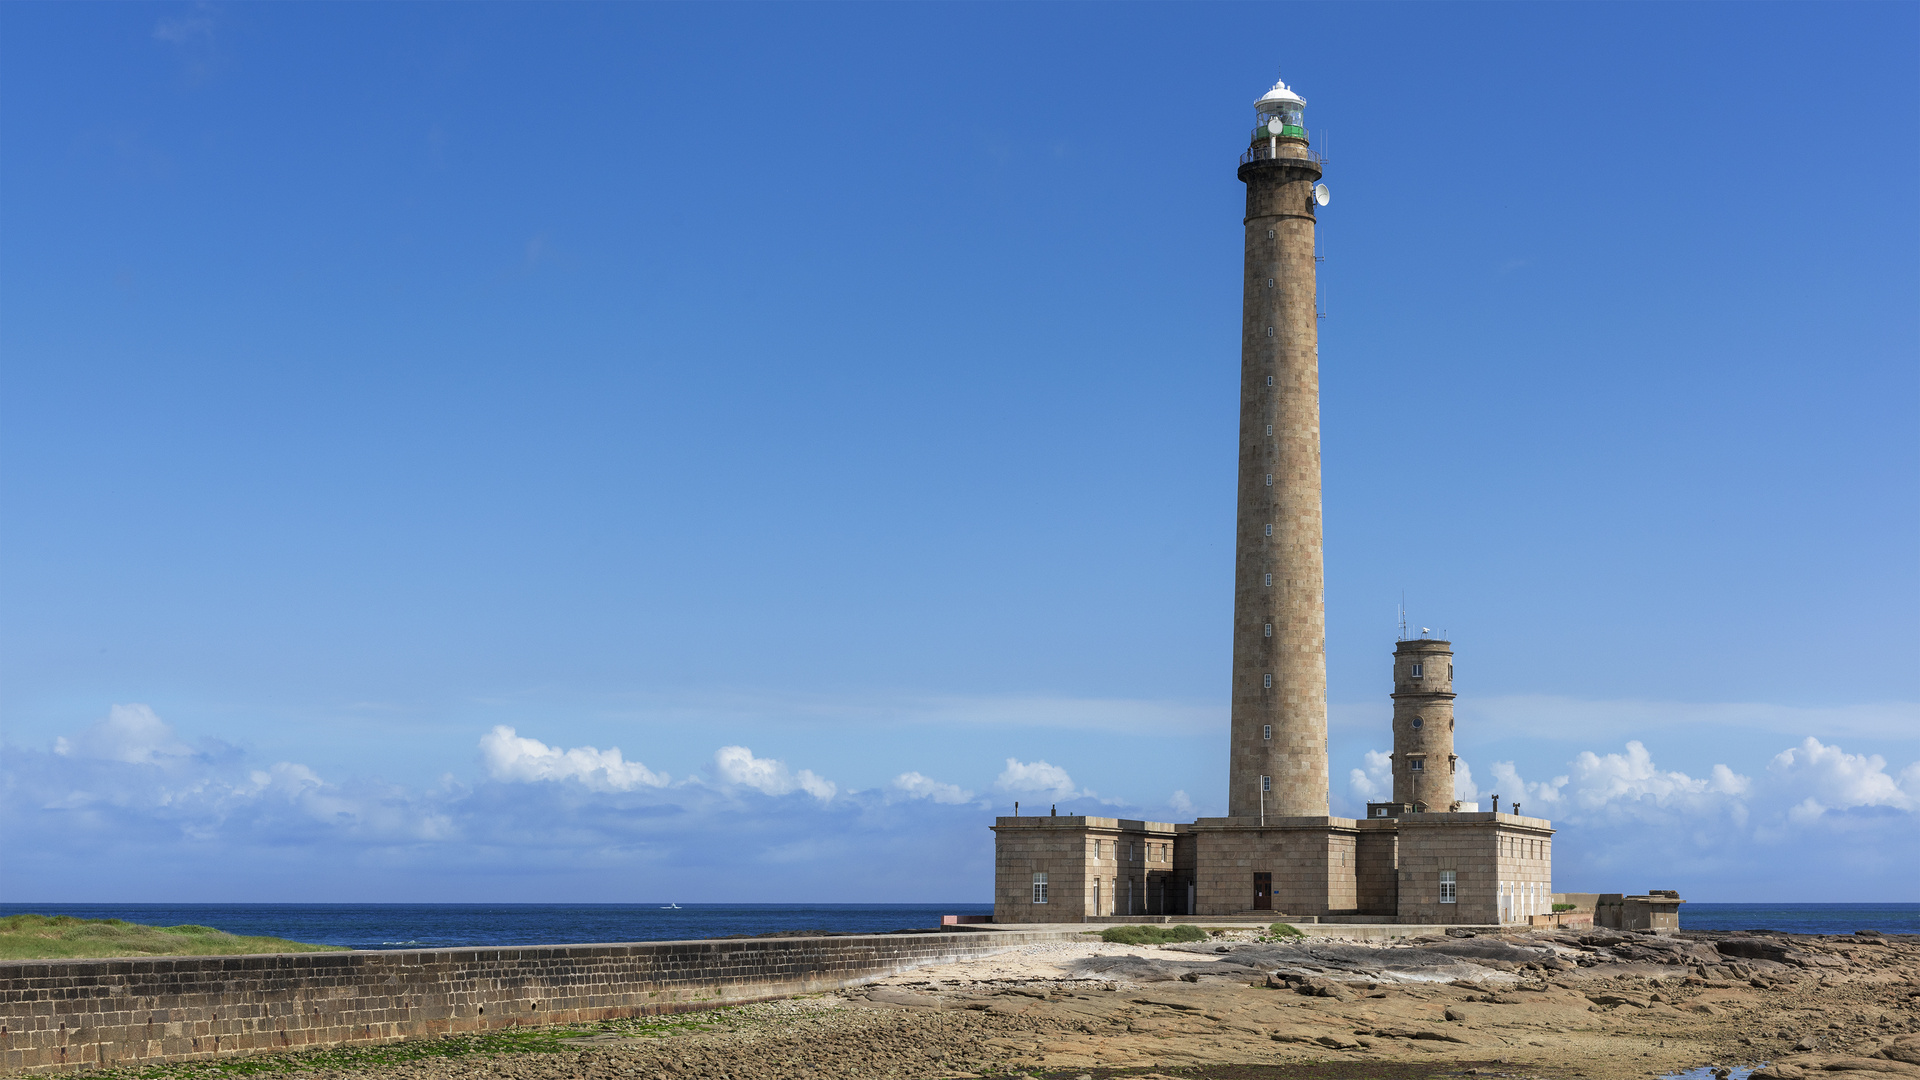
71, 1015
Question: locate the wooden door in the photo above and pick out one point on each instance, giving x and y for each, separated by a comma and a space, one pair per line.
1263, 892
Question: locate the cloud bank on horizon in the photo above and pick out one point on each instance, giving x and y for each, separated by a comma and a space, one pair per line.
538, 821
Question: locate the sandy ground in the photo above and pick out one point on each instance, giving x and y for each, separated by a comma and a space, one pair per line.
1600, 1006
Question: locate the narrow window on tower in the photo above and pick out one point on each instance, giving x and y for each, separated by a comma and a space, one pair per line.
1266, 783
1269, 629
1269, 283
1419, 671
1269, 429
1269, 380
1266, 731
1269, 331
1269, 530
1449, 672
1267, 681
1269, 581
1269, 479
1269, 234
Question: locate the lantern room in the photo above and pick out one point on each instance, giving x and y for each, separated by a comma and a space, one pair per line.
1280, 114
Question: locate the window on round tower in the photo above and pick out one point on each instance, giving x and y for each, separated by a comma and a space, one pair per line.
1418, 723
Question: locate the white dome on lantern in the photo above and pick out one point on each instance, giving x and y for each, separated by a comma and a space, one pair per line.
1276, 97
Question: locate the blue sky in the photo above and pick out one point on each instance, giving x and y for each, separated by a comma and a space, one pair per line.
833, 409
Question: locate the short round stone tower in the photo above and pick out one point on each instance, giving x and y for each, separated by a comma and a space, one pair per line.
1423, 759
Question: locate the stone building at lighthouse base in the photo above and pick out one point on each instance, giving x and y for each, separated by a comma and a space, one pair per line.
1470, 868
1407, 861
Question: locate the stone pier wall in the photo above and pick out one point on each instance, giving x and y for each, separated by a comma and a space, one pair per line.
70, 1015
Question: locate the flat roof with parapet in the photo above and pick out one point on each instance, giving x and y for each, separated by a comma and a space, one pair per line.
1063, 821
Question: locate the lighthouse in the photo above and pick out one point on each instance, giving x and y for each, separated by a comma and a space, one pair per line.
1279, 850
1278, 748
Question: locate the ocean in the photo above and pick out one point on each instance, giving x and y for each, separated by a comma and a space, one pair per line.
430, 926
439, 926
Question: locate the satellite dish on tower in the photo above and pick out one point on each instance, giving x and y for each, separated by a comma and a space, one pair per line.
1320, 194
1274, 126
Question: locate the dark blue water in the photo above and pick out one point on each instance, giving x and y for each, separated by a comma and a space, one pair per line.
426, 926
1802, 918
420, 926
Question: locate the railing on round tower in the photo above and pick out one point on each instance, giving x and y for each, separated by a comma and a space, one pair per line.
1265, 151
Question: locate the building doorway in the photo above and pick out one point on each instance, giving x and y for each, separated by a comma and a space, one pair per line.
1263, 892
1096, 898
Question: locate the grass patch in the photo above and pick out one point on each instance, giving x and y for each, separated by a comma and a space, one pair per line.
55, 937
1147, 934
1283, 930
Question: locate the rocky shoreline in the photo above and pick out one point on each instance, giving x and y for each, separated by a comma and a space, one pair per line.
1593, 1004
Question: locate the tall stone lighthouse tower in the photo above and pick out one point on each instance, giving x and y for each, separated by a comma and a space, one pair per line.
1279, 736
1423, 759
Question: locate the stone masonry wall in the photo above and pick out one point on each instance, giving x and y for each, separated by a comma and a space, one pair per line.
69, 1015
1095, 866
1488, 853
1376, 871
1312, 862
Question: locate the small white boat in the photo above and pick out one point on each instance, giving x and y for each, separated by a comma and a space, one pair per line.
671, 907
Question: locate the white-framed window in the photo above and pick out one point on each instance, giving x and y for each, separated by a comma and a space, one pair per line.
1039, 887
1269, 530
1419, 670
1266, 731
1269, 283
1269, 334
1269, 380
1418, 723
1267, 681
1269, 580
1449, 672
1266, 783
1269, 475
1269, 429
1417, 764
1448, 887
1269, 629
1269, 234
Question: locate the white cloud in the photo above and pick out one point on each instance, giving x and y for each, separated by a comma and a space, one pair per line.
1464, 788
737, 765
1375, 782
180, 29
1619, 782
130, 733
513, 757
1036, 778
1803, 784
1180, 803
915, 786
1837, 780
